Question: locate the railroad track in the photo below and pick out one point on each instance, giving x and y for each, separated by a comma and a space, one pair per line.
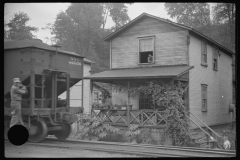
136, 149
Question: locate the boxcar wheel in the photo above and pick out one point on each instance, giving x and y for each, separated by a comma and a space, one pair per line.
41, 131
65, 132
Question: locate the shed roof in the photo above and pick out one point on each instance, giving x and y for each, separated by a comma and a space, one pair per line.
146, 72
35, 43
144, 15
87, 61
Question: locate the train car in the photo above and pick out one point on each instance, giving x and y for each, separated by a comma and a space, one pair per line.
47, 72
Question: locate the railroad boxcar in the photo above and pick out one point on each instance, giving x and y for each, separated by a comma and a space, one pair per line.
47, 72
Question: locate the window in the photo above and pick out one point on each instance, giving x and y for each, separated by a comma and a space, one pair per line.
95, 97
145, 102
204, 97
146, 50
215, 58
204, 53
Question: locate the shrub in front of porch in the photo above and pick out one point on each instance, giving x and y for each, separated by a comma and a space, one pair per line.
170, 96
93, 128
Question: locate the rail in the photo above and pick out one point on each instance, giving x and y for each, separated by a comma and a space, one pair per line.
137, 149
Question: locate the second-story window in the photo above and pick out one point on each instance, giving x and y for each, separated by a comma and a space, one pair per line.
146, 50
215, 59
204, 53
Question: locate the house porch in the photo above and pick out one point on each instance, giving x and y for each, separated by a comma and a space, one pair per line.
141, 110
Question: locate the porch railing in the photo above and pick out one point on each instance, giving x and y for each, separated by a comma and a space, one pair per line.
146, 118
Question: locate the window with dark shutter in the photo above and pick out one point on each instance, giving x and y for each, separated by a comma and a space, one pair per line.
204, 97
204, 53
215, 59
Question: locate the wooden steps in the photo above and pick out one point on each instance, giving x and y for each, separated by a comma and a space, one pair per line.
199, 139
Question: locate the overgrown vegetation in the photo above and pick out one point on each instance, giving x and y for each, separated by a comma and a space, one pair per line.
135, 134
132, 133
172, 98
231, 134
92, 128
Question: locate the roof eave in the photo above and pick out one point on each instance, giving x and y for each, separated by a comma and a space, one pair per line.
42, 49
109, 37
121, 78
216, 43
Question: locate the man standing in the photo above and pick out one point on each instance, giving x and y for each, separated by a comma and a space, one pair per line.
16, 92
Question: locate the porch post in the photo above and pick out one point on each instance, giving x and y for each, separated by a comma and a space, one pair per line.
91, 92
82, 94
128, 103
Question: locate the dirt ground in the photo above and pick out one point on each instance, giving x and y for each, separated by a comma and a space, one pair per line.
29, 151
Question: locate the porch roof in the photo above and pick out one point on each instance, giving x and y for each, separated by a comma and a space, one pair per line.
142, 72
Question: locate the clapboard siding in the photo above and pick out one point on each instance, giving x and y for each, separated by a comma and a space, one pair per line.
170, 44
219, 84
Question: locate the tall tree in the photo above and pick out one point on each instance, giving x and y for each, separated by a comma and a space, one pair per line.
118, 13
18, 30
5, 22
224, 14
81, 29
195, 15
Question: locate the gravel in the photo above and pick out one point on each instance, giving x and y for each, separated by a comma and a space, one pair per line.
29, 151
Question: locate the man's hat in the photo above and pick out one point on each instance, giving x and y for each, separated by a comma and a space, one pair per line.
16, 80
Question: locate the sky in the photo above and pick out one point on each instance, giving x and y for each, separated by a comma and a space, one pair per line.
41, 14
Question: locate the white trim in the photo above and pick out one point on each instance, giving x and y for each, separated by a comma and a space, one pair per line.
145, 36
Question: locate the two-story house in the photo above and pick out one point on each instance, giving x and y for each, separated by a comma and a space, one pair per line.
152, 48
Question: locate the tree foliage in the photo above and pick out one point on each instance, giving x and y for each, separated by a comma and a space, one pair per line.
172, 98
197, 16
118, 13
224, 15
18, 29
93, 128
5, 22
81, 29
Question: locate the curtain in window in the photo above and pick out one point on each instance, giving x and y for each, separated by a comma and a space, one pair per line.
145, 45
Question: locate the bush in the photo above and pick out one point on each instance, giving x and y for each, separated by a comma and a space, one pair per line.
172, 98
231, 134
132, 133
93, 129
